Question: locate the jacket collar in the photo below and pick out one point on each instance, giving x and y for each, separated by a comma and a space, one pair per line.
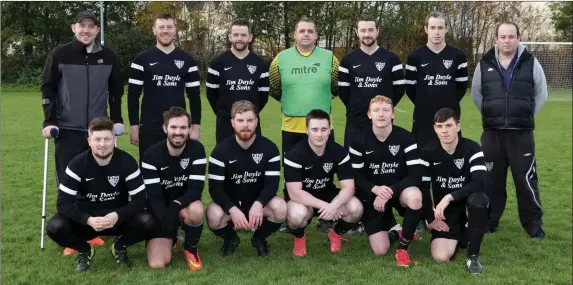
79, 46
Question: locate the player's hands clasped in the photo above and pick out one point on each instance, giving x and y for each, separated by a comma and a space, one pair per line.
239, 219
379, 203
256, 215
98, 223
329, 212
441, 207
383, 191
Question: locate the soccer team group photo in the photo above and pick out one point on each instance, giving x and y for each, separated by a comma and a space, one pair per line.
377, 157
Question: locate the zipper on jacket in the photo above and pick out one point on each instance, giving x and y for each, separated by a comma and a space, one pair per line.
503, 84
88, 92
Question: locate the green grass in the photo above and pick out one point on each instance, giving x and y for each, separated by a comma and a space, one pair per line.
509, 256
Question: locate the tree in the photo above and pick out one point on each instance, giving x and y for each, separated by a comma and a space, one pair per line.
561, 15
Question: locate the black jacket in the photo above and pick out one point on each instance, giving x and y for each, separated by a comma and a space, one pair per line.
513, 108
75, 86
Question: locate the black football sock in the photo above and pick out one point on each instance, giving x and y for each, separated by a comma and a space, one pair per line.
343, 226
192, 236
266, 229
225, 232
411, 221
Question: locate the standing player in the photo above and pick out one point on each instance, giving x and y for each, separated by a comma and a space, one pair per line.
365, 72
310, 191
236, 74
436, 77
79, 80
174, 173
244, 172
164, 73
94, 199
456, 171
388, 171
303, 78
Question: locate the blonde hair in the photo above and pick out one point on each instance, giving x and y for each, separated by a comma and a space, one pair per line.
242, 106
381, 99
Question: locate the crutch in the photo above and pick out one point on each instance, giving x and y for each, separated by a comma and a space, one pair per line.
117, 131
53, 134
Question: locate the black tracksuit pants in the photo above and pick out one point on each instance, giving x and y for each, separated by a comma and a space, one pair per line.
514, 149
69, 144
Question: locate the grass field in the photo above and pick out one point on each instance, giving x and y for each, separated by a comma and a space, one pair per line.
508, 257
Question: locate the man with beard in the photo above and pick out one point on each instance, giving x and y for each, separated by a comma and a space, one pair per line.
244, 172
164, 73
236, 74
436, 77
388, 172
174, 174
71, 99
94, 199
310, 190
364, 73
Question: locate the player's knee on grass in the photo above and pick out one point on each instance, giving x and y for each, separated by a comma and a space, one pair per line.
443, 249
412, 198
379, 243
194, 213
58, 226
297, 215
355, 209
159, 252
478, 200
278, 209
215, 216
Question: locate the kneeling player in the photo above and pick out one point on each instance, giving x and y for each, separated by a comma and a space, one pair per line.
244, 172
174, 173
309, 174
388, 171
456, 170
95, 199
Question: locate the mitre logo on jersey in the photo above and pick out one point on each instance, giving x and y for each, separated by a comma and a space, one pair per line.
448, 63
327, 166
252, 68
394, 149
380, 65
257, 157
179, 63
459, 162
184, 162
113, 180
489, 165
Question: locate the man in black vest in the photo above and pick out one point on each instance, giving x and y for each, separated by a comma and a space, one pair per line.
509, 89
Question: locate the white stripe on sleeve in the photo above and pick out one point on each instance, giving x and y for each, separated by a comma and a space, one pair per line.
347, 158
264, 89
411, 68
213, 71
72, 174
411, 82
414, 146
358, 166
264, 75
290, 163
68, 190
478, 167
399, 82
148, 166
273, 173
197, 177
216, 162
133, 175
461, 79
135, 81
200, 161
343, 69
465, 64
139, 189
151, 181
479, 154
216, 177
192, 84
136, 66
213, 86
192, 68
355, 152
397, 67
340, 83
276, 158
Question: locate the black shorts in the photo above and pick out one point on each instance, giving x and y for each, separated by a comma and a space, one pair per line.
456, 220
375, 221
326, 196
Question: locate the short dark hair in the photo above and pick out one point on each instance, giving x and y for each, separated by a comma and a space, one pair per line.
175, 112
507, 23
101, 124
436, 14
317, 114
163, 16
242, 106
445, 114
367, 19
240, 22
306, 20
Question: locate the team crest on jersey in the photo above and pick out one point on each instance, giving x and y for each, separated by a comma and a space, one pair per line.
113, 180
179, 63
380, 65
252, 69
327, 166
459, 162
489, 165
184, 163
394, 149
257, 157
448, 63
